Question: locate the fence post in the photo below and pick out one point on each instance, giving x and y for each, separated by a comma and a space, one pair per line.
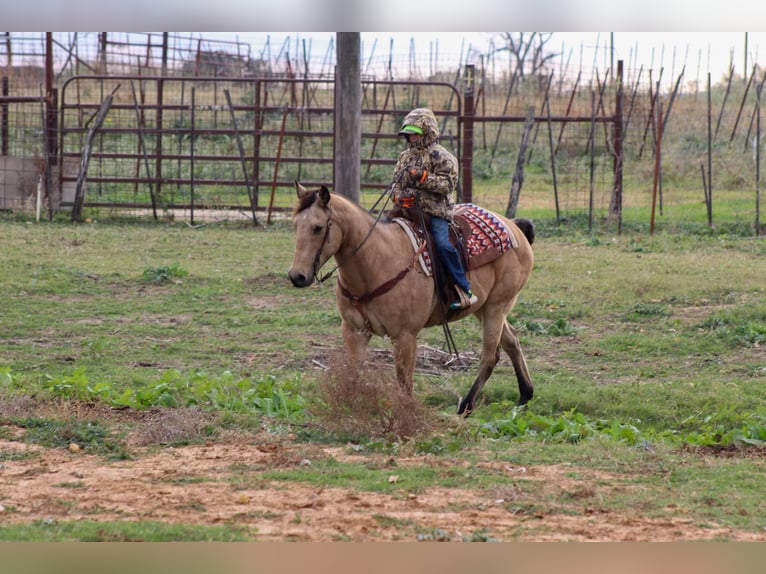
468, 115
158, 142
4, 117
79, 195
759, 92
348, 117
657, 158
518, 176
615, 206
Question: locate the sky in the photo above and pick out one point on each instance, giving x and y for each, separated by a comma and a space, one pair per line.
683, 30
360, 15
700, 52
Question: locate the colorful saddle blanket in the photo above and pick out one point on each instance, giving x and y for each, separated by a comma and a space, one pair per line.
483, 237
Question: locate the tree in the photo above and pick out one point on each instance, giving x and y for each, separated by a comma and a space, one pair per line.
527, 50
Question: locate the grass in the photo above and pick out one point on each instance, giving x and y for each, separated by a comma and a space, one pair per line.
647, 352
84, 531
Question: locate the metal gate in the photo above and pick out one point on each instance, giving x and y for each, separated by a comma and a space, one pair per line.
193, 144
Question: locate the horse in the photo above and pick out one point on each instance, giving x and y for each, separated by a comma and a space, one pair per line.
382, 291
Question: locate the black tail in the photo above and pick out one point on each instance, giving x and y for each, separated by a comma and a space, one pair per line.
527, 228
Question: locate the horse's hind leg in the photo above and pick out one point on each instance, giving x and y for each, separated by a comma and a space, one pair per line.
510, 343
492, 330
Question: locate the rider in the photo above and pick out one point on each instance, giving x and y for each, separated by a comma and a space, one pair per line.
427, 171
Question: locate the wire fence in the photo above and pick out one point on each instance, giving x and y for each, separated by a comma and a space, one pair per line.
708, 169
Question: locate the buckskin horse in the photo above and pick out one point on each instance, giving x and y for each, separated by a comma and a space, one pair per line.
381, 290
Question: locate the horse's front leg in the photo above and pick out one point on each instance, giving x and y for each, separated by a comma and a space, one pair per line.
356, 345
405, 349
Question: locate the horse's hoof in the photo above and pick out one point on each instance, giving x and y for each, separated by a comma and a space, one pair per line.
465, 408
524, 399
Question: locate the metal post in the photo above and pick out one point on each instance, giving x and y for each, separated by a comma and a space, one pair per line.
192, 137
4, 118
616, 206
468, 114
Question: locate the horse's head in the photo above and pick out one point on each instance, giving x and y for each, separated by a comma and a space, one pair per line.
314, 243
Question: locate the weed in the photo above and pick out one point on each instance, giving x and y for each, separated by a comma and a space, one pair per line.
367, 403
647, 311
163, 274
91, 436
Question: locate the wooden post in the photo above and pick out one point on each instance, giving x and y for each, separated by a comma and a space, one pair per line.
553, 159
592, 142
518, 175
758, 161
657, 158
709, 184
348, 116
741, 105
79, 194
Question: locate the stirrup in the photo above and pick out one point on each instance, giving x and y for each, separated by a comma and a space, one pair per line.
464, 301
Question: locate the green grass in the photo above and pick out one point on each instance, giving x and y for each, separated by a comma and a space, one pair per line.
647, 354
84, 531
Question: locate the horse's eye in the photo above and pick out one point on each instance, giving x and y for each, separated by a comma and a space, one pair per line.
317, 229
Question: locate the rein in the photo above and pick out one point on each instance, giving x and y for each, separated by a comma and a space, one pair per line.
377, 292
354, 251
359, 301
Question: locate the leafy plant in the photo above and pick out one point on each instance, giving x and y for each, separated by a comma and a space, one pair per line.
163, 274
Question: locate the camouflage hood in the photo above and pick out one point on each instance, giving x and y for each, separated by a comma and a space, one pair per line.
424, 119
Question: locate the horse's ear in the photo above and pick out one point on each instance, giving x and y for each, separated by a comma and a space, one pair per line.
300, 190
324, 196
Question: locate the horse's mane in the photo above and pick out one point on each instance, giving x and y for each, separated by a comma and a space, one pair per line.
309, 199
305, 202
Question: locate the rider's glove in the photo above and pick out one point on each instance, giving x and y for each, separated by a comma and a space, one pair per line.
417, 176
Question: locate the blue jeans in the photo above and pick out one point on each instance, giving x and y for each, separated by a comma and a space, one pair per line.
447, 252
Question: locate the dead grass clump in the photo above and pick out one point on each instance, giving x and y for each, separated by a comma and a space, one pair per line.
171, 426
15, 406
21, 406
367, 403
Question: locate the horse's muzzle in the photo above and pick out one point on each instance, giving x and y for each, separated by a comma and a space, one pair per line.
299, 279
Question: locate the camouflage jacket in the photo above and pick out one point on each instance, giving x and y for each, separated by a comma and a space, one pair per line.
434, 193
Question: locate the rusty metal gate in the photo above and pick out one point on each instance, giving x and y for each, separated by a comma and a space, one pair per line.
193, 144
172, 146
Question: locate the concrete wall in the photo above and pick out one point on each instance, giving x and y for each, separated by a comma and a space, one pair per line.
19, 179
18, 183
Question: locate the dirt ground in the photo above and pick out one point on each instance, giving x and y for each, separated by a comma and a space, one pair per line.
221, 483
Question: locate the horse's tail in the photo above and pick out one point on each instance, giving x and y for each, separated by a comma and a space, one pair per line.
527, 228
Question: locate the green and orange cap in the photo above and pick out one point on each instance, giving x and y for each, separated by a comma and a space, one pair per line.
410, 129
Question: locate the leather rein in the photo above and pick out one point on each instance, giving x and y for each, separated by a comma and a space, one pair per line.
360, 300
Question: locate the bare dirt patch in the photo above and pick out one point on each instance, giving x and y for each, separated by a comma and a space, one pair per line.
222, 483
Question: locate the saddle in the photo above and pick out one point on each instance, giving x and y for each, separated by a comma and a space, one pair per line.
479, 236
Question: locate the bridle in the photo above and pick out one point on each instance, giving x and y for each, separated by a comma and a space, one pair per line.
317, 267
359, 301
